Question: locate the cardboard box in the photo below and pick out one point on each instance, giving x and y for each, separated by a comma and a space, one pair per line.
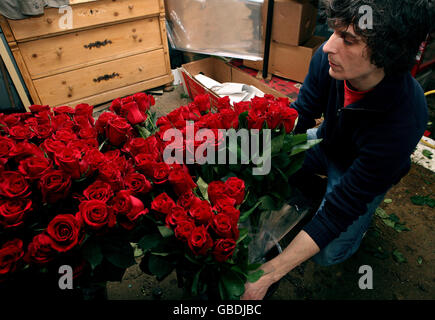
294, 21
289, 62
220, 71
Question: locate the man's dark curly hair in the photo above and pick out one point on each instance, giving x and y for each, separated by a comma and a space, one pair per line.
399, 27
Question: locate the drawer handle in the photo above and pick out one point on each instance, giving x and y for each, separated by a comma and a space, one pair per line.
97, 44
106, 77
49, 20
59, 52
131, 7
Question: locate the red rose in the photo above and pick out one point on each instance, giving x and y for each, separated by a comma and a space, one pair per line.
224, 249
224, 226
96, 215
128, 209
176, 215
144, 101
132, 113
65, 231
70, 161
86, 110
231, 212
187, 199
145, 164
21, 132
52, 146
135, 146
11, 253
235, 189
54, 185
255, 121
181, 181
216, 190
203, 102
62, 122
12, 212
200, 241
273, 116
43, 131
161, 172
229, 119
242, 106
162, 203
88, 133
35, 108
34, 167
99, 190
94, 158
116, 105
289, 117
137, 183
223, 103
117, 131
201, 212
6, 146
111, 175
65, 135
40, 251
63, 109
184, 229
112, 155
102, 121
14, 185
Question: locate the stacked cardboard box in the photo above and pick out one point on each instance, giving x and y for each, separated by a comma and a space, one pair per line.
293, 42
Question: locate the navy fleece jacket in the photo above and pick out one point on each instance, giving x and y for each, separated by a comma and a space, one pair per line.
371, 140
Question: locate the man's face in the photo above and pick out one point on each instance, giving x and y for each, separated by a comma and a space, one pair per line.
348, 56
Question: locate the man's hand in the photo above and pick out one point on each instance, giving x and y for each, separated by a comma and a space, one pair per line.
299, 250
258, 289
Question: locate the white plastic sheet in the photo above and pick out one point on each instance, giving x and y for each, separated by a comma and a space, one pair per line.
228, 28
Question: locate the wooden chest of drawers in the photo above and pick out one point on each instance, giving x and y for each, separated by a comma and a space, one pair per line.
111, 49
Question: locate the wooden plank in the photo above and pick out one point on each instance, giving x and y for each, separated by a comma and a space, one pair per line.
84, 15
80, 83
122, 92
64, 53
6, 29
14, 74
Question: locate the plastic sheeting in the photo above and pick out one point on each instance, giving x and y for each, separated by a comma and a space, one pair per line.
227, 28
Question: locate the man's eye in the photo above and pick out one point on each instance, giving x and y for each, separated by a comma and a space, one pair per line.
346, 42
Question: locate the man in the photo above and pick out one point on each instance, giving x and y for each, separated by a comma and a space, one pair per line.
374, 112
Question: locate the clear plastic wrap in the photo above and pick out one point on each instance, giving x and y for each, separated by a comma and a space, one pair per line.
272, 226
228, 28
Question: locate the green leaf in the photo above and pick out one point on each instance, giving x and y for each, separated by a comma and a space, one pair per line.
427, 153
159, 266
398, 256
381, 213
92, 253
277, 144
242, 235
420, 260
254, 266
243, 122
196, 282
203, 186
292, 140
165, 231
120, 254
245, 215
149, 241
233, 284
268, 203
389, 223
394, 218
388, 200
254, 276
418, 200
304, 147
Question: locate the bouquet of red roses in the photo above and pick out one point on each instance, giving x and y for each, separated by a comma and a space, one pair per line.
70, 194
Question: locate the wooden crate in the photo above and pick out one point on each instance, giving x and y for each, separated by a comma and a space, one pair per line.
114, 48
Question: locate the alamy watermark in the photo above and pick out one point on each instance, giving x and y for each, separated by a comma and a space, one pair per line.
366, 281
200, 147
66, 20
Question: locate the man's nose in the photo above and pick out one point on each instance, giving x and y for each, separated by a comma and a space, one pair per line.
331, 45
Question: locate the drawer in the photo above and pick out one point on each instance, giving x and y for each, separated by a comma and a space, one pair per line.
66, 52
83, 15
84, 82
